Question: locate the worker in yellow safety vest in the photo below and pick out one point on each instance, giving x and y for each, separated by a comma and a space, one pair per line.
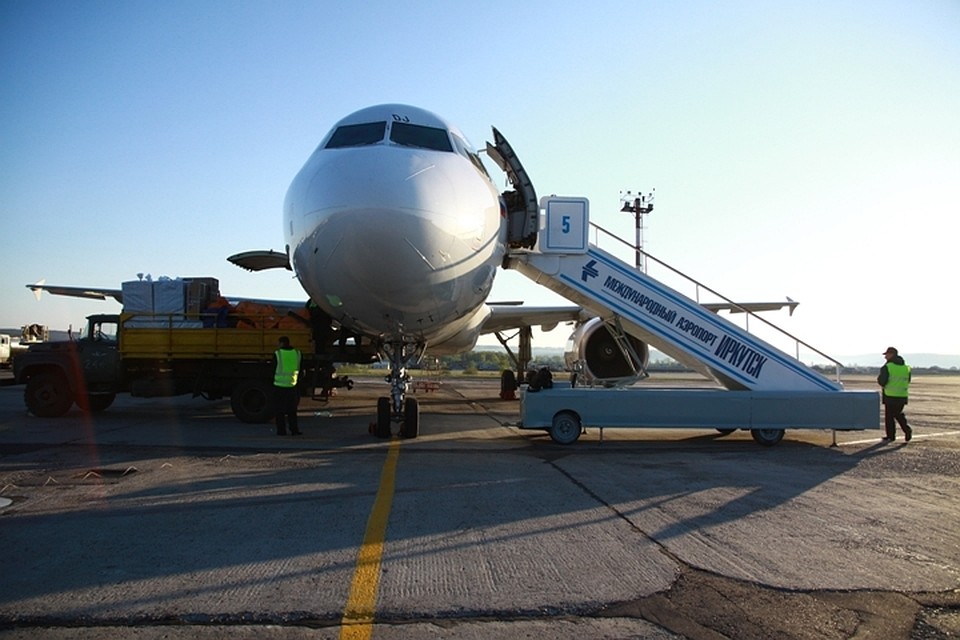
286, 397
895, 379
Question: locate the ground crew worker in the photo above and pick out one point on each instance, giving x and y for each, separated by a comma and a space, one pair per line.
286, 397
895, 379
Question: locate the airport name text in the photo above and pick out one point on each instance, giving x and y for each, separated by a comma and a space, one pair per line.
741, 356
696, 331
648, 304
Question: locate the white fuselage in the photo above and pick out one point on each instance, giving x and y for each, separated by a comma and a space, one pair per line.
397, 236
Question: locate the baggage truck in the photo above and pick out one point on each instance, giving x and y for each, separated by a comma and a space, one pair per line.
149, 355
179, 336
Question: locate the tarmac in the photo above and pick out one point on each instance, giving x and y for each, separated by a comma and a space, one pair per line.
167, 518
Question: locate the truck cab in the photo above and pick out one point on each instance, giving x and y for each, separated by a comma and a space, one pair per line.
84, 370
98, 354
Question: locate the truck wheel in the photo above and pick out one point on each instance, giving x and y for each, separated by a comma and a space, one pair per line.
48, 395
96, 402
383, 418
252, 401
767, 437
566, 427
411, 418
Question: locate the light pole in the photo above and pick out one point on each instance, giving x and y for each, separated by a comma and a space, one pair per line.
639, 205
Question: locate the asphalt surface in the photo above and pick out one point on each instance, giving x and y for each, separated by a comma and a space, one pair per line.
166, 518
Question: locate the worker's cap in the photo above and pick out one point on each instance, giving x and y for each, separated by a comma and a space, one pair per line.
890, 351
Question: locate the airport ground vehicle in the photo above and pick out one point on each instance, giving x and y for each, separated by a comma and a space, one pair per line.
114, 358
5, 355
10, 346
564, 411
153, 355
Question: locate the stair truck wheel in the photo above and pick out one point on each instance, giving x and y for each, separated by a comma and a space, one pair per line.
252, 401
411, 418
48, 395
383, 418
566, 427
767, 437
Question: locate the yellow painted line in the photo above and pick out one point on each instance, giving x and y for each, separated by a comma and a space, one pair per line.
357, 621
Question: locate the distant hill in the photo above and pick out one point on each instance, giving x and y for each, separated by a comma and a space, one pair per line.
925, 360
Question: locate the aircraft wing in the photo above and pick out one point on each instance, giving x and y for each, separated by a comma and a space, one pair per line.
91, 293
94, 293
753, 307
509, 316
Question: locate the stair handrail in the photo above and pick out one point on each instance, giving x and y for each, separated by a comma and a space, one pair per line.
797, 341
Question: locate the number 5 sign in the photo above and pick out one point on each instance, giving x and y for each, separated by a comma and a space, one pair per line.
566, 223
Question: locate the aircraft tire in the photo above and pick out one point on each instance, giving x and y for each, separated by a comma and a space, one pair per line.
767, 437
383, 418
411, 418
252, 401
566, 427
48, 395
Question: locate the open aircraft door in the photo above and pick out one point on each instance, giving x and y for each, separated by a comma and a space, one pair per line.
523, 208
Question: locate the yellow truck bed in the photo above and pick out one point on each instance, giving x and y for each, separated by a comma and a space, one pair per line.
190, 342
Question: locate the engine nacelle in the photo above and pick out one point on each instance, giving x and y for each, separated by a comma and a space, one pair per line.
593, 353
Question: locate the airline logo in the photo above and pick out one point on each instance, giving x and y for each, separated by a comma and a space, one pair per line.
589, 270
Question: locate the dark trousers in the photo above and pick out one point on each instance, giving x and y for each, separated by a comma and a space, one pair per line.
893, 415
286, 400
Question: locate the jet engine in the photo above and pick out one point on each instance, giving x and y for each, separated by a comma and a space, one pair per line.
595, 356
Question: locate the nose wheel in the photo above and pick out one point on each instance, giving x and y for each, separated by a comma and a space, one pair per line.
398, 407
382, 428
411, 418
409, 423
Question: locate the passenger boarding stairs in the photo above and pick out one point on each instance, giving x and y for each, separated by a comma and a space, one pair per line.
651, 311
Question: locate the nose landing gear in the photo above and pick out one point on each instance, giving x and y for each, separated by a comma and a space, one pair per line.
398, 407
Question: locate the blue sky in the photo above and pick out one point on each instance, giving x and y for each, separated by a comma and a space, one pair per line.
802, 149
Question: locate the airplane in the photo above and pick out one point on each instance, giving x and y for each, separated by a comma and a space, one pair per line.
395, 230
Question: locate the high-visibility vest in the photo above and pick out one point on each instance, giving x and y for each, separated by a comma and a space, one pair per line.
898, 381
288, 368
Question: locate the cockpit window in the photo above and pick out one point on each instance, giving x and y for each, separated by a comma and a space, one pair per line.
464, 149
415, 135
356, 135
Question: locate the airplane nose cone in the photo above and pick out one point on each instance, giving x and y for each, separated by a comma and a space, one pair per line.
396, 214
387, 245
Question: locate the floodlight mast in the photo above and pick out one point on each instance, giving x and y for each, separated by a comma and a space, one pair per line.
639, 205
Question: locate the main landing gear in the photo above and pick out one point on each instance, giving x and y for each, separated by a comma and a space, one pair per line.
398, 407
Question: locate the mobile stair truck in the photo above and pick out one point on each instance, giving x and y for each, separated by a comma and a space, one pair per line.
171, 339
760, 388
